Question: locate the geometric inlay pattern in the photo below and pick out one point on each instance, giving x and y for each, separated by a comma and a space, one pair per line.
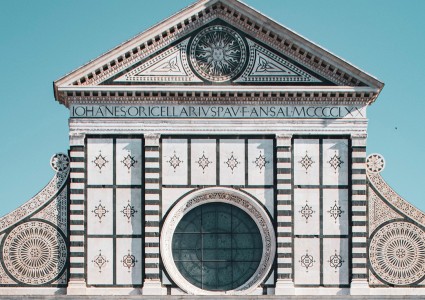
232, 162
59, 162
129, 261
335, 162
335, 261
175, 161
306, 162
204, 162
100, 261
100, 211
397, 253
129, 162
261, 162
218, 53
335, 211
129, 211
100, 161
34, 253
307, 261
307, 211
375, 163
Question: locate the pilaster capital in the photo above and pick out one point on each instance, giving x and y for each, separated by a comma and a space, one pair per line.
284, 140
76, 138
152, 139
359, 140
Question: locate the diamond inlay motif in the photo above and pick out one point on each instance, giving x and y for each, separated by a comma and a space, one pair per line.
204, 162
306, 162
261, 162
129, 161
307, 261
335, 162
335, 212
100, 161
100, 261
232, 162
175, 161
307, 211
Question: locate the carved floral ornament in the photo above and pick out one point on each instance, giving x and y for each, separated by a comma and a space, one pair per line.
220, 195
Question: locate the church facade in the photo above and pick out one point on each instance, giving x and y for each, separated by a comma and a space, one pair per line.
217, 153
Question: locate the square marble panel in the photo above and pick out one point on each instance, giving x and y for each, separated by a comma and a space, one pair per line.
306, 162
306, 212
129, 211
307, 261
129, 161
335, 261
100, 161
335, 212
335, 162
232, 162
129, 261
100, 261
174, 162
204, 162
100, 211
260, 162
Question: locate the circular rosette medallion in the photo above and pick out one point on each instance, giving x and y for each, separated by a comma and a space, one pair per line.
34, 253
397, 253
218, 53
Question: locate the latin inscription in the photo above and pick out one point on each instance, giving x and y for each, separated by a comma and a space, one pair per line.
217, 112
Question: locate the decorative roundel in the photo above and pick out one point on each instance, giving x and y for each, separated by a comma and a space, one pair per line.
218, 53
59, 162
34, 253
375, 163
218, 241
397, 253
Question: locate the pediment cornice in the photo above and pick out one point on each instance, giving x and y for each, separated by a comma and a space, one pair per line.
182, 24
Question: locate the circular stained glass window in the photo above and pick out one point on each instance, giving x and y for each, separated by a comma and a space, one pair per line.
217, 247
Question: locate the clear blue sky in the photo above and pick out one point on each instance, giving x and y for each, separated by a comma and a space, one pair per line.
43, 40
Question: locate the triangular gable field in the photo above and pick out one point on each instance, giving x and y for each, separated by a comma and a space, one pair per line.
216, 154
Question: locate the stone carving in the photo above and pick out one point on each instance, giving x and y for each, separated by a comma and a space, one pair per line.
129, 162
261, 162
42, 198
307, 261
335, 162
175, 161
335, 261
218, 53
375, 163
34, 253
100, 161
394, 199
306, 162
203, 162
265, 66
335, 211
232, 162
100, 261
56, 211
168, 66
100, 211
397, 253
129, 211
306, 211
59, 162
129, 261
379, 212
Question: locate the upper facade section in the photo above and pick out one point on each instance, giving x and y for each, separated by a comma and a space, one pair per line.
220, 50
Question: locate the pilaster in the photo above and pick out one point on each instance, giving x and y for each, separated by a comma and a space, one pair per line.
152, 283
77, 280
285, 283
359, 283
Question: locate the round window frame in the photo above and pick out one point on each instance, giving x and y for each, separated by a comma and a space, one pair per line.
219, 195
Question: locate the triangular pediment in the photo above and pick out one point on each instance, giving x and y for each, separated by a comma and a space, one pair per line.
221, 43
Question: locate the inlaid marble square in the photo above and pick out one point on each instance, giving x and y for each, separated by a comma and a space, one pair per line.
129, 161
232, 162
204, 162
335, 162
174, 162
260, 162
128, 211
306, 162
307, 261
335, 261
100, 161
100, 261
100, 211
335, 212
306, 211
129, 261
